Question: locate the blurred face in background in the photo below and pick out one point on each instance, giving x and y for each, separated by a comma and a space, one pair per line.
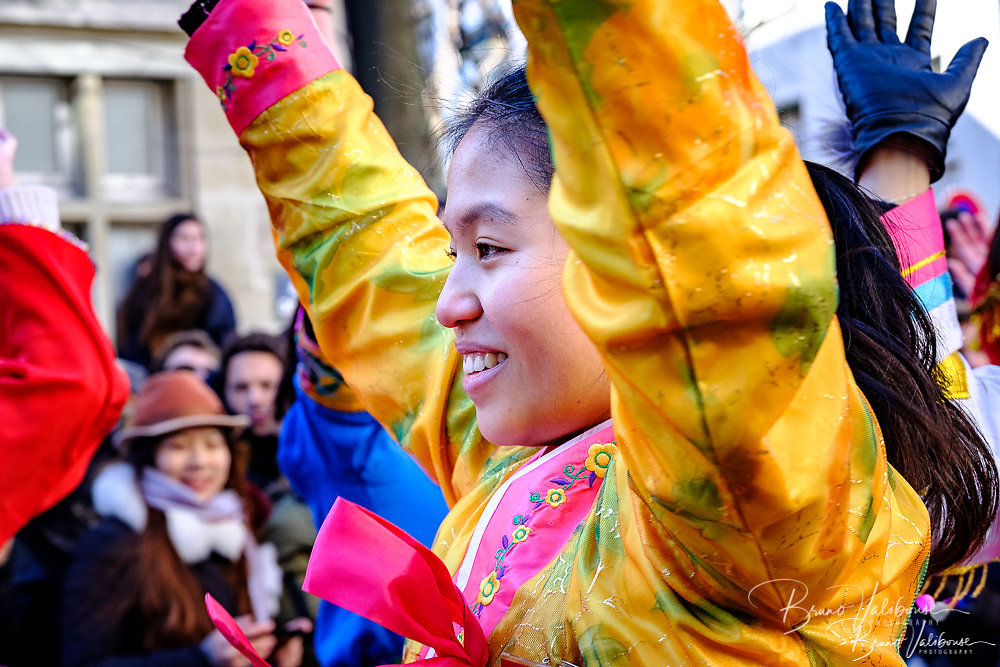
188, 245
192, 358
252, 380
198, 458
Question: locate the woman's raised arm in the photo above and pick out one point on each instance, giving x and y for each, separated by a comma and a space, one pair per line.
703, 269
354, 225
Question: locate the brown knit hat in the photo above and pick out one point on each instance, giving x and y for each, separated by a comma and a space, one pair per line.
172, 401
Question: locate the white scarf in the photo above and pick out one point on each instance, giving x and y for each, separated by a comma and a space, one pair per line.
196, 527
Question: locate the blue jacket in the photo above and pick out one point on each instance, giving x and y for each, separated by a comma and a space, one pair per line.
328, 454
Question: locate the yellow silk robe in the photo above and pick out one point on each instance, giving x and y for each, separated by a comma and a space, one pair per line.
749, 516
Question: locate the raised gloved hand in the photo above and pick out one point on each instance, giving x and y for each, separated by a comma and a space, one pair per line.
888, 86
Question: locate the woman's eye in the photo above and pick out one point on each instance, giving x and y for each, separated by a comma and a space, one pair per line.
452, 255
486, 251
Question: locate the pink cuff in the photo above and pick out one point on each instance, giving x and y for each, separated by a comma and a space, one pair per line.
253, 53
915, 228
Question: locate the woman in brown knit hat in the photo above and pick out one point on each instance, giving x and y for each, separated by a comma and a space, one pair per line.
173, 528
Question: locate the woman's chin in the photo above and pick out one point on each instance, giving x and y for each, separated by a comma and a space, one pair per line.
192, 267
500, 429
509, 434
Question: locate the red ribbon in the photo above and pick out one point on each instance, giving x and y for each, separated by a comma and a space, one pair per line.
368, 566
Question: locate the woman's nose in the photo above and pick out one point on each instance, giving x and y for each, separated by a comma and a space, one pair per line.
196, 457
458, 301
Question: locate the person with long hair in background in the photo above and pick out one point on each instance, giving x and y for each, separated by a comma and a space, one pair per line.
173, 528
175, 294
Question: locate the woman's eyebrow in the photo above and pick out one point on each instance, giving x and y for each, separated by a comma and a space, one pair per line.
491, 211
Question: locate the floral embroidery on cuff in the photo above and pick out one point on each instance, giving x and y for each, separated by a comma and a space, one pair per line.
244, 61
520, 534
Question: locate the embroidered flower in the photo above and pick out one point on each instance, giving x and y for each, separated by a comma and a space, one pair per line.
286, 37
520, 534
599, 458
488, 588
555, 497
461, 636
243, 62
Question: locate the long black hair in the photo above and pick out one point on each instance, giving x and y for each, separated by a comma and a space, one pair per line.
891, 349
888, 337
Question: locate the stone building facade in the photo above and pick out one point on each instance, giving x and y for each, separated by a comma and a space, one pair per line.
107, 111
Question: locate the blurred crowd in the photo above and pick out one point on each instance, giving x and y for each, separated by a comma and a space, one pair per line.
186, 495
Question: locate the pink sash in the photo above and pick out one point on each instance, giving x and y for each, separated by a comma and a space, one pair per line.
388, 577
370, 567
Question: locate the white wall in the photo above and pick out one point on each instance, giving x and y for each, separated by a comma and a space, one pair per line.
789, 55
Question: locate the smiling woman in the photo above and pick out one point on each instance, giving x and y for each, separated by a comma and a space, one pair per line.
630, 360
502, 300
198, 458
173, 528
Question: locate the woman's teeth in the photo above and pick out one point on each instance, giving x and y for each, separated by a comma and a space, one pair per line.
473, 363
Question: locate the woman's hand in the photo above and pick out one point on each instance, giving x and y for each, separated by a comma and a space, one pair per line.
969, 249
290, 652
5, 550
221, 653
8, 148
889, 86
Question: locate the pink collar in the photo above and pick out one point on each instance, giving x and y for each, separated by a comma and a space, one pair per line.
366, 565
529, 520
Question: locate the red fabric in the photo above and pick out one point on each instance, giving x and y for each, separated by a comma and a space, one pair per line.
985, 300
60, 390
366, 565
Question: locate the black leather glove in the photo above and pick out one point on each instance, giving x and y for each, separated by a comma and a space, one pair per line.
888, 86
196, 14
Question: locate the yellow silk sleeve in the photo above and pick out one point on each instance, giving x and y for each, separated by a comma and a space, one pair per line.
702, 267
355, 227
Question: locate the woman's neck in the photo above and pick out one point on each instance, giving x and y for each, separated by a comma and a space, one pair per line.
569, 437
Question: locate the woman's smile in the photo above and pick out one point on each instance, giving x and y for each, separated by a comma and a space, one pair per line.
479, 369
